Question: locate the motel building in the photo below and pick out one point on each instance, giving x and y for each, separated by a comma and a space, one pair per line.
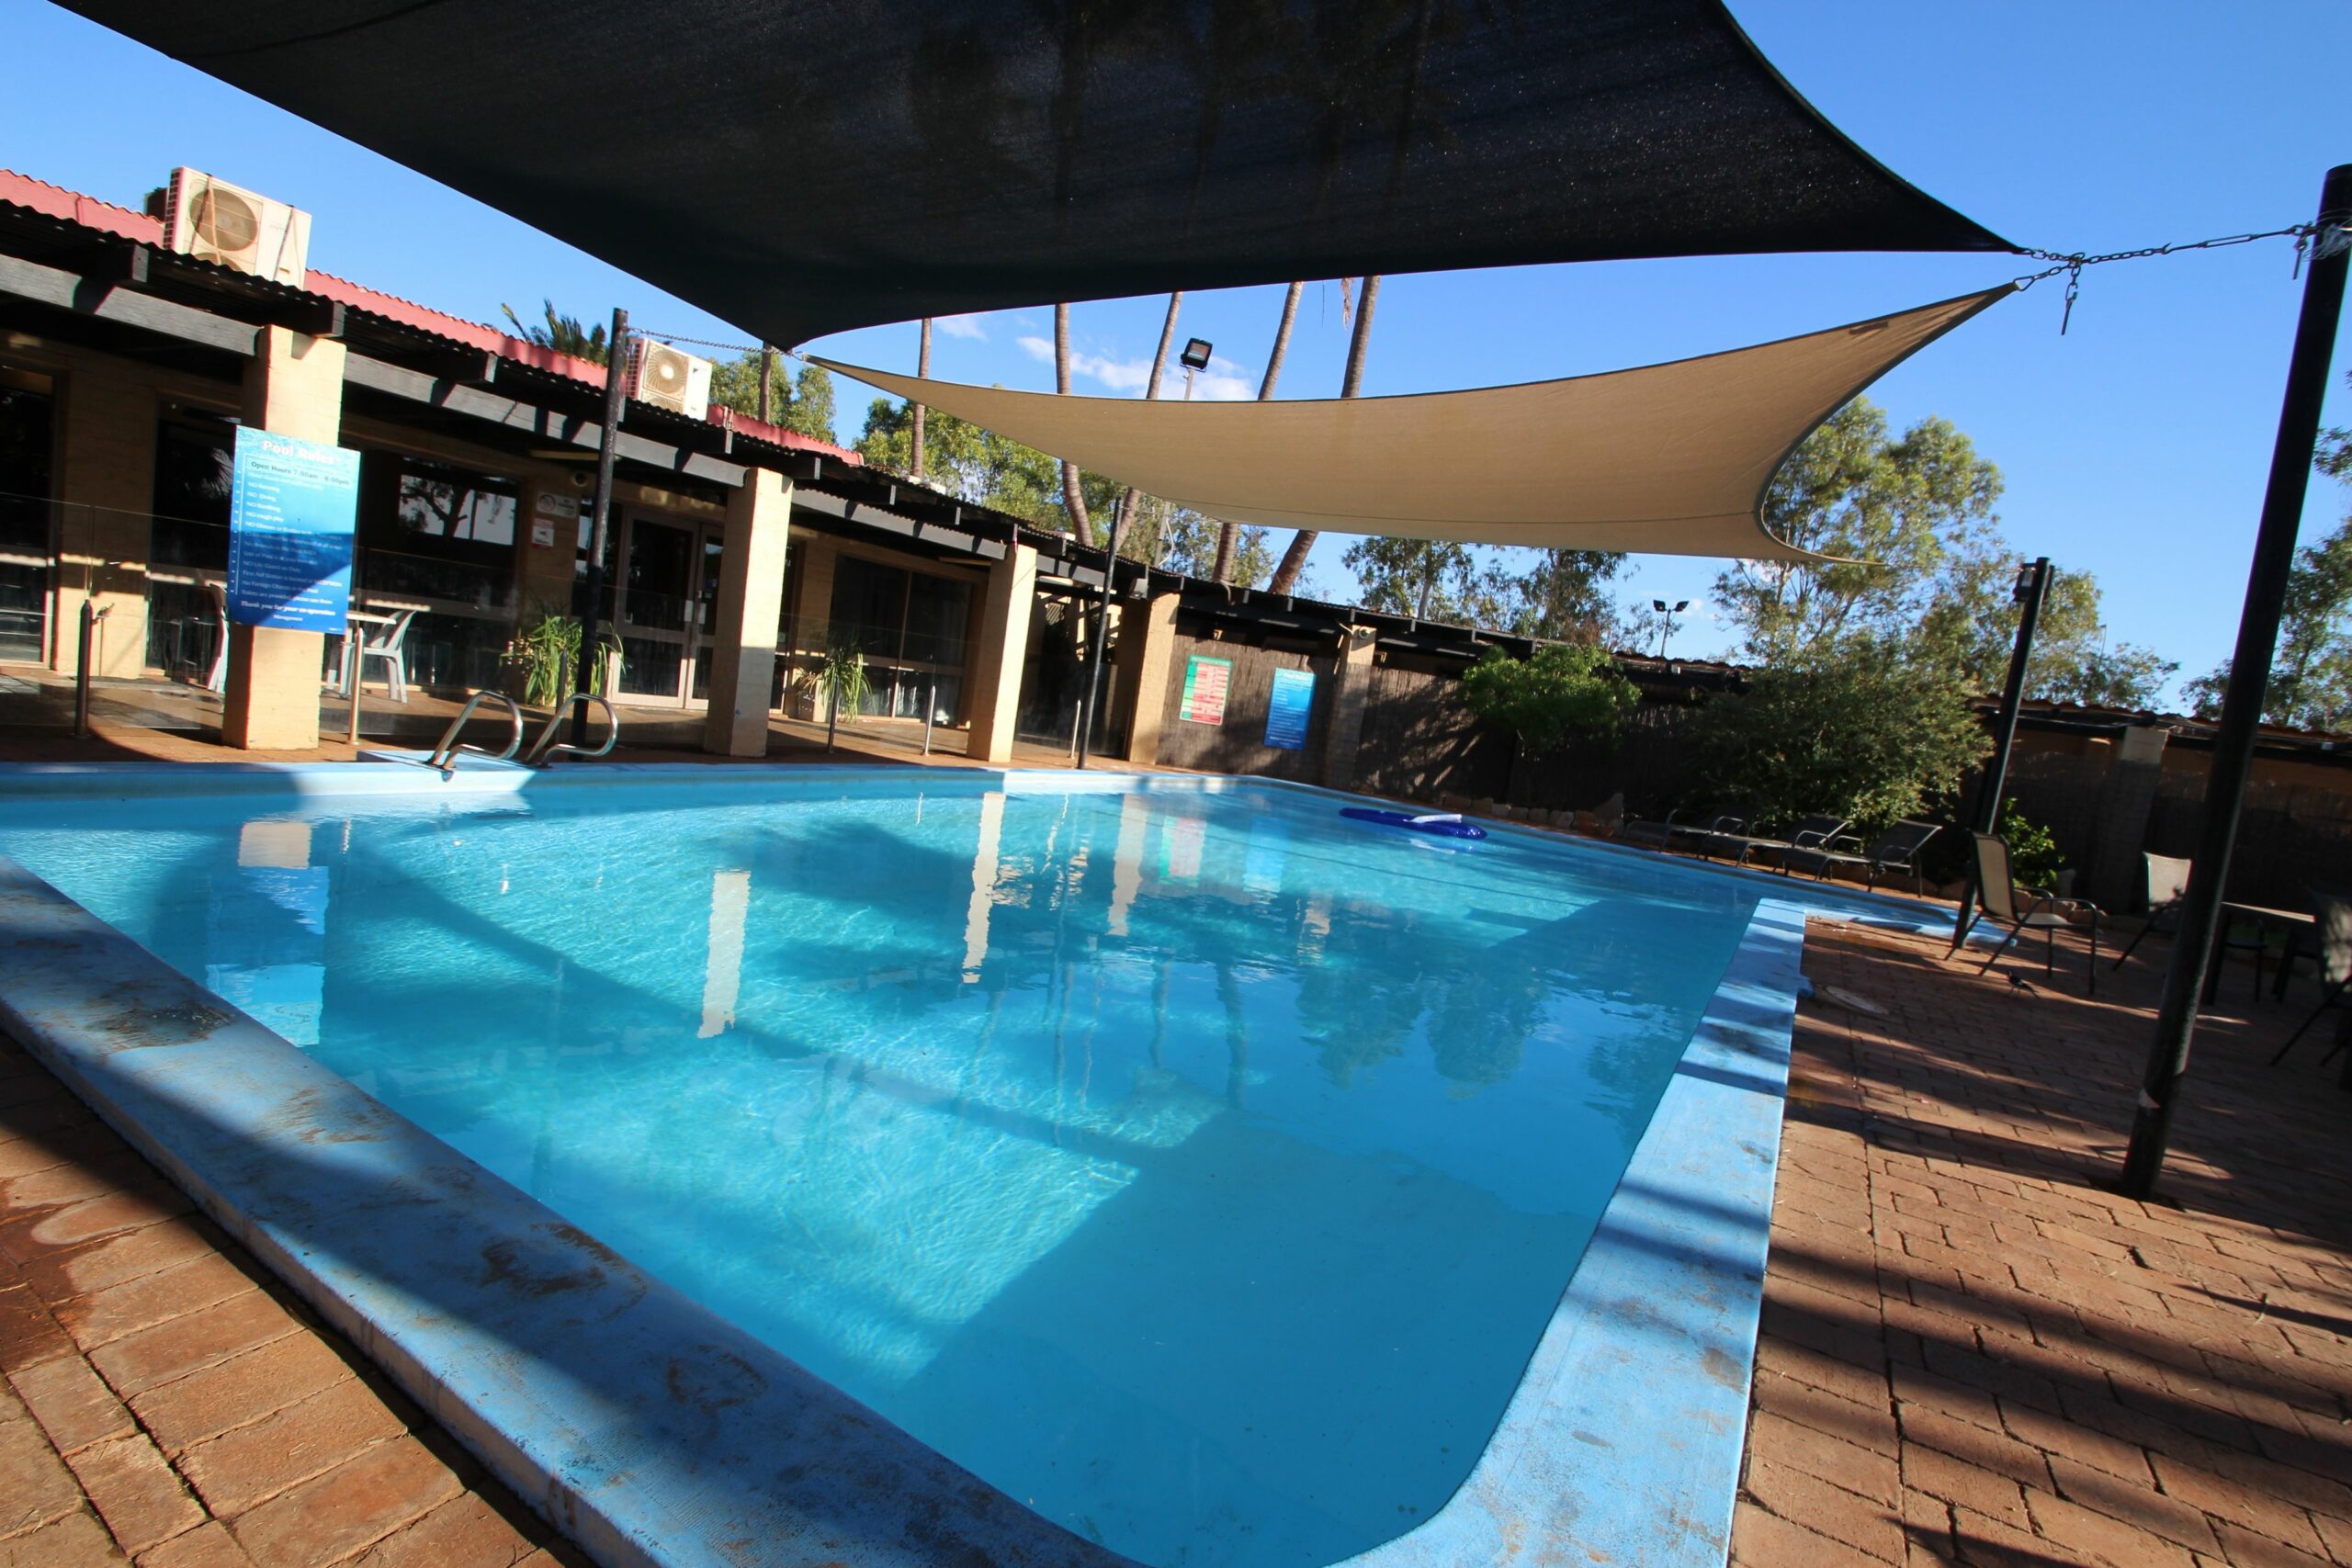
736, 551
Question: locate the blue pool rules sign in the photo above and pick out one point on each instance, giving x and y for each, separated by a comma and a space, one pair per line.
1288, 708
292, 507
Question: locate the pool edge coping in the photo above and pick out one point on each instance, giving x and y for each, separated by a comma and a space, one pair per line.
1669, 1235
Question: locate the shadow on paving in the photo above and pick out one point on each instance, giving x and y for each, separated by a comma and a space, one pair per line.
1975, 1349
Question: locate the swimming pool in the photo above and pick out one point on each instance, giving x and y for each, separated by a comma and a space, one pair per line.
1196, 1166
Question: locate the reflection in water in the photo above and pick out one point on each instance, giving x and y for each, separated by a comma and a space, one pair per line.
265, 928
730, 900
1202, 1168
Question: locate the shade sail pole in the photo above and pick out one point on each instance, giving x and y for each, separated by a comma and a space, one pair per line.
2266, 597
600, 510
2033, 587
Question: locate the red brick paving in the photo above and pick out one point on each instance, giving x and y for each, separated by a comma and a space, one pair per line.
1974, 1350
167, 1403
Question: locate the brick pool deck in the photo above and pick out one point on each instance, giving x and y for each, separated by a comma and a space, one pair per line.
1974, 1350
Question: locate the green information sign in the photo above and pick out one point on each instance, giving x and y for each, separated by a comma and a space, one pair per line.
1205, 680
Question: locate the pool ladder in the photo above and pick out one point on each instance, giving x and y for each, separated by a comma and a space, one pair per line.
544, 751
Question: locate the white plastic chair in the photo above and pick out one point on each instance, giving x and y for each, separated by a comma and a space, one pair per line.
385, 642
216, 678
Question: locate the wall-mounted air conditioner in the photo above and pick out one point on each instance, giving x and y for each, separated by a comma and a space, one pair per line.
216, 222
670, 379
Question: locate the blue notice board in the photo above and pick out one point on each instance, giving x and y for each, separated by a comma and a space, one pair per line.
1288, 707
292, 505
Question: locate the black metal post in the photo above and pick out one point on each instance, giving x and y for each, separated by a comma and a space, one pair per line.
2034, 586
2266, 597
930, 711
81, 665
833, 711
1101, 633
352, 666
617, 371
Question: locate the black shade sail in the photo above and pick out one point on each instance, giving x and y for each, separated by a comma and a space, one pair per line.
799, 169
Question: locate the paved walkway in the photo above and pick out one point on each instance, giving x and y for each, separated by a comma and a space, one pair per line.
167, 1402
1975, 1351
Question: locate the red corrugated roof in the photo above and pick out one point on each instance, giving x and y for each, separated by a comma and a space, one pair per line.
23, 190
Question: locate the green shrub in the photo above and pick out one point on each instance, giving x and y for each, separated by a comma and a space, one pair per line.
1564, 690
2034, 857
1852, 730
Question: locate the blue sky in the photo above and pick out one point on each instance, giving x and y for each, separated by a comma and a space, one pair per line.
2135, 447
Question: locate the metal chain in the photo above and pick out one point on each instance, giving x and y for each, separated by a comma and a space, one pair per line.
2072, 262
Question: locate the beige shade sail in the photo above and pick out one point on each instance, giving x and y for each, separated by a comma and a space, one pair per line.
1667, 459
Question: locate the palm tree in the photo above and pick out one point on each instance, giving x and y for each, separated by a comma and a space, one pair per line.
563, 333
1228, 531
1295, 558
922, 370
1128, 502
1073, 492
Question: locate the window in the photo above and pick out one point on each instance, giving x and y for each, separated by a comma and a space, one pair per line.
26, 403
194, 460
446, 505
441, 539
910, 625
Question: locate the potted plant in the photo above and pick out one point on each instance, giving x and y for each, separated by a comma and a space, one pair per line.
543, 660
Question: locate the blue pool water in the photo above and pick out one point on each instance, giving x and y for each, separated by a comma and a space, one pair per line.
1199, 1168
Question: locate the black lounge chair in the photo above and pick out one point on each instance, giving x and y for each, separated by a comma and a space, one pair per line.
1897, 849
2026, 908
1721, 824
1815, 833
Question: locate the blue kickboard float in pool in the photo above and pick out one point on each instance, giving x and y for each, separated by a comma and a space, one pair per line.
1443, 824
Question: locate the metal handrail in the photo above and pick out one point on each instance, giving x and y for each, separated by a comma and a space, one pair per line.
547, 748
445, 750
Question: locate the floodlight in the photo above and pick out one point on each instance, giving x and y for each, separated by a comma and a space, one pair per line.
1196, 354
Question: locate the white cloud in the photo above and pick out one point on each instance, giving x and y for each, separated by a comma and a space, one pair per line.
961, 326
1223, 381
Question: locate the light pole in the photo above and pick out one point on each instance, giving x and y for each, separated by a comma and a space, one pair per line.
1665, 620
1195, 357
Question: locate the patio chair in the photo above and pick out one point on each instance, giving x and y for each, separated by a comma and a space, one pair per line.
1717, 824
1812, 833
385, 642
2026, 908
2168, 885
2334, 907
1897, 849
215, 679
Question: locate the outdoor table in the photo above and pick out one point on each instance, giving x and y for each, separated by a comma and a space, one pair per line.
2295, 922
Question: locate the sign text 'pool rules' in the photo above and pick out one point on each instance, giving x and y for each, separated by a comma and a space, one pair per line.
292, 506
1288, 707
1205, 680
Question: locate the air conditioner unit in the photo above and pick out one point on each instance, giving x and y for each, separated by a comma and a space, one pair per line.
671, 379
216, 222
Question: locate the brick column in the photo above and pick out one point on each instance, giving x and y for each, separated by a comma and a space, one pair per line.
107, 485
294, 387
2126, 797
750, 610
993, 675
1146, 642
1351, 686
